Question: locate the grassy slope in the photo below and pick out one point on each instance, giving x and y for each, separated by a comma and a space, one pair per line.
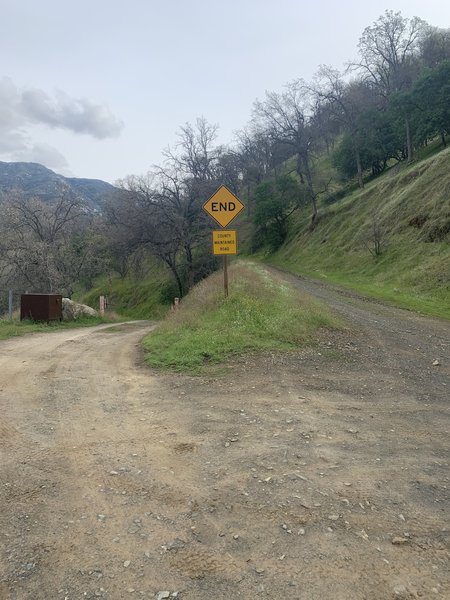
412, 271
261, 312
144, 298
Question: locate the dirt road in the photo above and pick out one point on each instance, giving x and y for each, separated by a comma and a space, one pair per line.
322, 474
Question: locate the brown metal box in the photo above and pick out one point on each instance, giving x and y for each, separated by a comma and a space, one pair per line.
41, 307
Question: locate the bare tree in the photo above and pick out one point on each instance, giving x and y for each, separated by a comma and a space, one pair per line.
434, 46
47, 246
197, 153
374, 237
346, 102
163, 210
287, 119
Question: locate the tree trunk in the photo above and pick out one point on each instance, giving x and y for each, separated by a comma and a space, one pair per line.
178, 281
299, 169
309, 183
409, 148
190, 268
173, 267
358, 165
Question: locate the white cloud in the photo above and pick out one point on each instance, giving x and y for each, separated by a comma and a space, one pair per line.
44, 155
21, 109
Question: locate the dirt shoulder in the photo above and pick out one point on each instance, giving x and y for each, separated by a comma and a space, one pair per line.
315, 474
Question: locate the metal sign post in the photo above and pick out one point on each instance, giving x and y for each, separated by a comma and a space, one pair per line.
225, 275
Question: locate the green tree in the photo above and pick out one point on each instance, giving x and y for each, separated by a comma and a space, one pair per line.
275, 201
430, 97
389, 59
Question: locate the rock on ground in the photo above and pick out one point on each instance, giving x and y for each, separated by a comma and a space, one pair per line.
73, 310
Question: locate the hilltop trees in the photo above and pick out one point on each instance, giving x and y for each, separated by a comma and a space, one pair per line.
347, 103
286, 120
430, 101
389, 60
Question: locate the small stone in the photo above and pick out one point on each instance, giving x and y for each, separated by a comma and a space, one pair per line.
436, 363
399, 541
333, 517
176, 544
259, 571
301, 531
235, 537
400, 590
131, 590
113, 473
163, 595
127, 563
227, 444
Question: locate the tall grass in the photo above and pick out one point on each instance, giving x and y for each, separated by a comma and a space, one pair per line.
261, 312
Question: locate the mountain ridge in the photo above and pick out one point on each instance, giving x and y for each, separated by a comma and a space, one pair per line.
35, 180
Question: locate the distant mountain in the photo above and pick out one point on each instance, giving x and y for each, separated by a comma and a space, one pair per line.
35, 180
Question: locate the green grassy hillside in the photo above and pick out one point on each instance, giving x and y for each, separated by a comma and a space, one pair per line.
408, 208
145, 297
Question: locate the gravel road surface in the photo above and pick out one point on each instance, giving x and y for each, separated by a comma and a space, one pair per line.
321, 474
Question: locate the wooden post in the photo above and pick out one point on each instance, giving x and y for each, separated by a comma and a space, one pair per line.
10, 304
102, 306
225, 274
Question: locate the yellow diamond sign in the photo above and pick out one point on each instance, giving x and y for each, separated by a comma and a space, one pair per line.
223, 206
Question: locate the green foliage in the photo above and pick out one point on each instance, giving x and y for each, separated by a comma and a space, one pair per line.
380, 138
275, 201
431, 99
261, 312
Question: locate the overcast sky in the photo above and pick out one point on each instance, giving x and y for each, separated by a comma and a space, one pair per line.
97, 88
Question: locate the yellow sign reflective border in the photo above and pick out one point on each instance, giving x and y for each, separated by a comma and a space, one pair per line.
224, 241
